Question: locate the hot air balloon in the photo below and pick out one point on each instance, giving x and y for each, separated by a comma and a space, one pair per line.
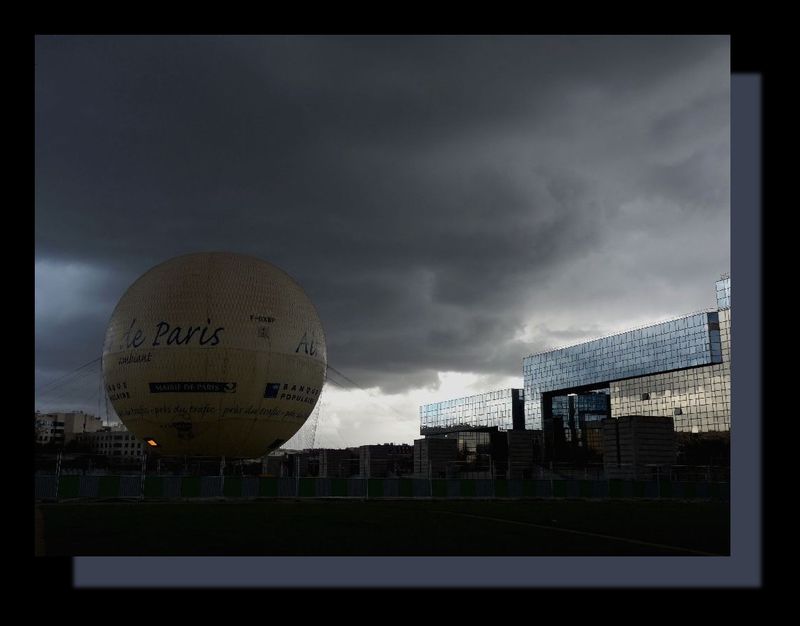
214, 354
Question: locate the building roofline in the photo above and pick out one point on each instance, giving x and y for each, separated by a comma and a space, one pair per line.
627, 330
475, 395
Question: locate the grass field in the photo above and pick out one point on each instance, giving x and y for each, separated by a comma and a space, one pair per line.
386, 528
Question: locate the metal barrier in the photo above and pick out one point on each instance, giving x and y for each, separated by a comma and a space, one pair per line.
70, 487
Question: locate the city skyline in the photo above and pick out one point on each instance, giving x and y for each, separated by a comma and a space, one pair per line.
450, 204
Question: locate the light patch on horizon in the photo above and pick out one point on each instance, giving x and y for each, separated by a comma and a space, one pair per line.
367, 416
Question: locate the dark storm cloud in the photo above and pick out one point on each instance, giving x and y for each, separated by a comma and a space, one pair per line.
449, 203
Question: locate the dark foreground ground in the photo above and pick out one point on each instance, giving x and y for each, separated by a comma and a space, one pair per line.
386, 528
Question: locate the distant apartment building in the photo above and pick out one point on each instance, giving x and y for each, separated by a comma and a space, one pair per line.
385, 460
116, 443
61, 428
341, 463
49, 429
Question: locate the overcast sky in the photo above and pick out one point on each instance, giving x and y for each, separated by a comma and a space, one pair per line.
450, 204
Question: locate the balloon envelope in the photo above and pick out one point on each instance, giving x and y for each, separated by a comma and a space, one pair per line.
214, 354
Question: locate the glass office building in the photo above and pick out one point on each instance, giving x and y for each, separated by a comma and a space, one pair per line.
503, 409
724, 292
577, 420
679, 368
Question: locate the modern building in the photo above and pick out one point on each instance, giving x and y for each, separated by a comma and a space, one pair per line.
576, 422
638, 446
434, 456
678, 369
524, 452
476, 452
503, 409
477, 425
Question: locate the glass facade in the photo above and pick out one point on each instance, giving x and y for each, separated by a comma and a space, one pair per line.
698, 399
502, 408
574, 420
724, 292
474, 450
679, 369
685, 342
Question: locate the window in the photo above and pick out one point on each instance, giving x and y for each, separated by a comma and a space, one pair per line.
645, 396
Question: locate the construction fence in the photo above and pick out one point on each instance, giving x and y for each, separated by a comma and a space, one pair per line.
69, 487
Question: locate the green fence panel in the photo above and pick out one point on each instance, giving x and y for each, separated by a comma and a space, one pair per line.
88, 486
485, 488
267, 487
406, 488
391, 488
307, 488
232, 487
190, 486
108, 487
153, 487
46, 487
69, 486
249, 486
467, 488
171, 486
356, 488
339, 487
